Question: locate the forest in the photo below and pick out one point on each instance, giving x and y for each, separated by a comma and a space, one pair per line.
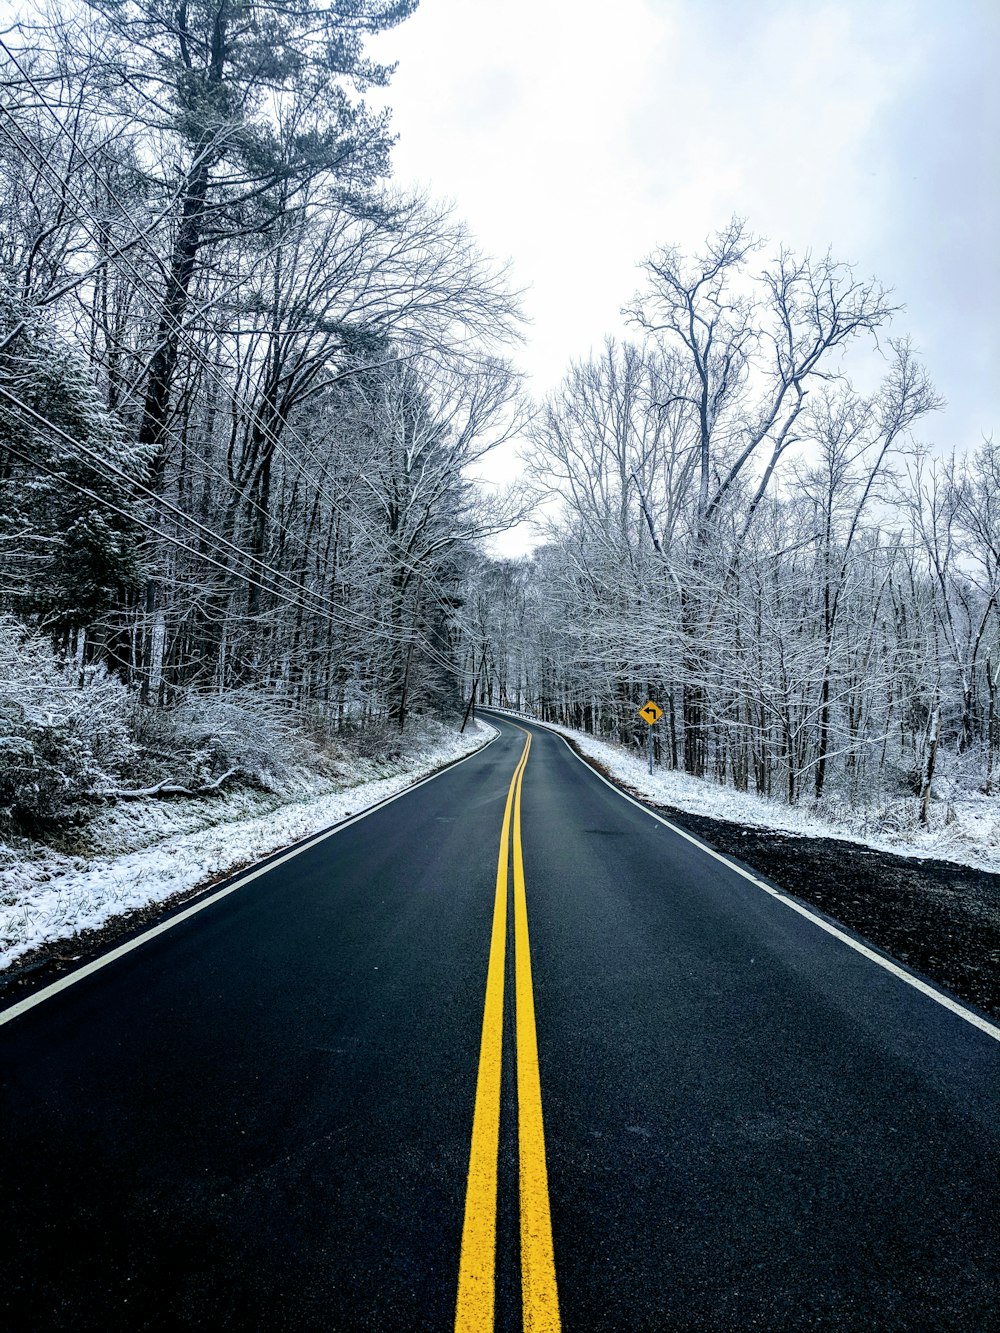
246, 387
768, 550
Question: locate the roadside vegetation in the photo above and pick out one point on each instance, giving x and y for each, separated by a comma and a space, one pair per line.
245, 386
243, 378
746, 522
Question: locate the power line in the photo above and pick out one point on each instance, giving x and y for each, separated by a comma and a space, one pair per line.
142, 523
351, 516
176, 327
217, 539
180, 330
341, 619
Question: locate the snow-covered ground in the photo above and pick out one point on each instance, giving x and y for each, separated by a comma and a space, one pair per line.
47, 896
965, 826
147, 851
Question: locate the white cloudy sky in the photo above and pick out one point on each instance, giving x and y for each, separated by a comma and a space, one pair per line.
575, 137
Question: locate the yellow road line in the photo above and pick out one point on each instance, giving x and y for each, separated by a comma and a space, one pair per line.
477, 1267
539, 1296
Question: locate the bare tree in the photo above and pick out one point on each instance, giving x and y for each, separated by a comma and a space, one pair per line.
748, 346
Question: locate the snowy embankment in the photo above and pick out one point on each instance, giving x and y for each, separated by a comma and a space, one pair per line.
965, 826
47, 896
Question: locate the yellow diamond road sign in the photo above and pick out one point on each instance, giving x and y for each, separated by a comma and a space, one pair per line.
651, 712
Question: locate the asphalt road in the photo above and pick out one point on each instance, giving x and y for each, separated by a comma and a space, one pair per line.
261, 1119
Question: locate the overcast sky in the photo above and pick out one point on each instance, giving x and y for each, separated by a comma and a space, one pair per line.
574, 137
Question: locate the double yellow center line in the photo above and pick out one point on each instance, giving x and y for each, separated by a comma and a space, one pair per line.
477, 1268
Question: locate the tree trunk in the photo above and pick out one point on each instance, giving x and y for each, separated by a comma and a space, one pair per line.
823, 744
153, 428
934, 727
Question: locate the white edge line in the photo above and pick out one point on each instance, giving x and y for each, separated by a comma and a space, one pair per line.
940, 997
311, 840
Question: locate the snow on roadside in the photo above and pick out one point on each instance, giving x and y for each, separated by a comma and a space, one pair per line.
50, 896
968, 834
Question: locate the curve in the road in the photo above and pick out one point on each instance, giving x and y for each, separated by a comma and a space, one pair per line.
261, 1119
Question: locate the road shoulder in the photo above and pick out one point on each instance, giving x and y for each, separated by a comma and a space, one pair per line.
164, 881
939, 919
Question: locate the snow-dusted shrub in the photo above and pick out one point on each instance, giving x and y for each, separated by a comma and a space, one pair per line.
59, 739
376, 740
204, 737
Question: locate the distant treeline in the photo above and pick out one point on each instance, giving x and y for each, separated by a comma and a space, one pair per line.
747, 539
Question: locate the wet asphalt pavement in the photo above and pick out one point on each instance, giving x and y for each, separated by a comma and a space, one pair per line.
261, 1119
